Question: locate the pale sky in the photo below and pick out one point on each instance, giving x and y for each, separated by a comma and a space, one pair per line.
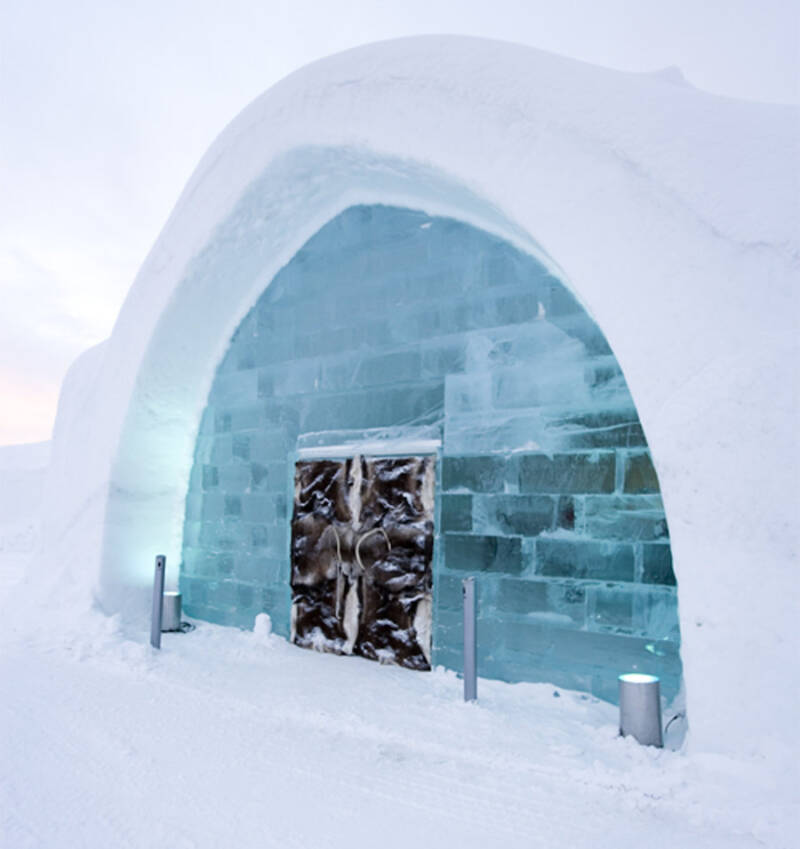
106, 108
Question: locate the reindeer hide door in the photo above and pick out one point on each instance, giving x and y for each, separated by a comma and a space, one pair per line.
362, 546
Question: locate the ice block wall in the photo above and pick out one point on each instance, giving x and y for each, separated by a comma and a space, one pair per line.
389, 321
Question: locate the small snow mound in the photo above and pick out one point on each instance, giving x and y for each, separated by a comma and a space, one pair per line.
262, 627
672, 74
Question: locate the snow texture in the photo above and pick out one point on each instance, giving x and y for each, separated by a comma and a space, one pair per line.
22, 472
237, 738
671, 213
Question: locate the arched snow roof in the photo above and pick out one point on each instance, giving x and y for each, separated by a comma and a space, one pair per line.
670, 212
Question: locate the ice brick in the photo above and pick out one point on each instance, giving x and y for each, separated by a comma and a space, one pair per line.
567, 473
476, 474
611, 607
456, 512
657, 564
514, 515
606, 561
640, 476
625, 517
476, 553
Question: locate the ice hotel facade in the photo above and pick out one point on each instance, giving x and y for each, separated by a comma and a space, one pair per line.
444, 307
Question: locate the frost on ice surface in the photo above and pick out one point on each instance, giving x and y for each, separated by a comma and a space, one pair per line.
382, 333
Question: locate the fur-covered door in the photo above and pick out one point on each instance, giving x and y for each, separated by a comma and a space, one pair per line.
362, 546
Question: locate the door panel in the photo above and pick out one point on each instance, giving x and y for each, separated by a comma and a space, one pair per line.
362, 548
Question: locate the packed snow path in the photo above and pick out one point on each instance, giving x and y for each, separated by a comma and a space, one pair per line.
230, 738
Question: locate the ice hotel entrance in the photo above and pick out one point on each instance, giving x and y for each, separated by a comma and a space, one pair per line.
308, 499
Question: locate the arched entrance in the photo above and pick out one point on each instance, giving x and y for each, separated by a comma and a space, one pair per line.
393, 333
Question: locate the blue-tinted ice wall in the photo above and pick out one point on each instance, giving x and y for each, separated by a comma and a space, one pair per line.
390, 322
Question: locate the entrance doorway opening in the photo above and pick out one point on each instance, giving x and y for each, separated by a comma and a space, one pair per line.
391, 330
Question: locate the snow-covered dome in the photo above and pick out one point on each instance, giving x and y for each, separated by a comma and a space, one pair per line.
670, 213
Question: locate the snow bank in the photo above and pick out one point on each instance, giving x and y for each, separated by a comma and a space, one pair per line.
30, 456
672, 214
22, 471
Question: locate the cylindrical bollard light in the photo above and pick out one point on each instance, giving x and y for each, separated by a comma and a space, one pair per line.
640, 708
470, 641
171, 611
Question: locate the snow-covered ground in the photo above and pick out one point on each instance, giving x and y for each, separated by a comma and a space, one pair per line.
22, 470
236, 738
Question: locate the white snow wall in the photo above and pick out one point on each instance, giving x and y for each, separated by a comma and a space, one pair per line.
670, 212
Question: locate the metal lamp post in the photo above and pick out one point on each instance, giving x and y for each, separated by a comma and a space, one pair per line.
470, 641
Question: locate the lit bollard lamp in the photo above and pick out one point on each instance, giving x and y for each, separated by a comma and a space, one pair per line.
171, 611
640, 708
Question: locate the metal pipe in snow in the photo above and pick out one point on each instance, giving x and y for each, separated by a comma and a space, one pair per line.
470, 641
158, 595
